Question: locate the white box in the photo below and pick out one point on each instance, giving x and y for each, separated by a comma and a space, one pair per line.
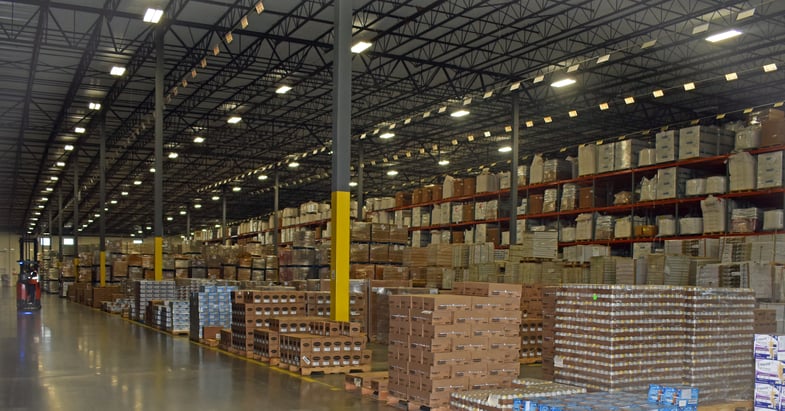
703, 141
536, 170
741, 167
665, 146
769, 371
448, 188
770, 170
695, 187
416, 216
670, 183
767, 347
504, 180
487, 182
715, 212
587, 159
647, 157
626, 153
605, 157
767, 396
716, 185
445, 209
457, 213
747, 138
773, 220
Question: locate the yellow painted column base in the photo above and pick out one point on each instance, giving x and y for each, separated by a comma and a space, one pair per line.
159, 258
339, 262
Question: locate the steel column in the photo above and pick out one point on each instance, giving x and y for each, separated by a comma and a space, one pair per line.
516, 131
276, 233
360, 183
102, 200
158, 190
75, 225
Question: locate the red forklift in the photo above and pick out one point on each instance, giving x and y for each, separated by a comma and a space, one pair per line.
28, 286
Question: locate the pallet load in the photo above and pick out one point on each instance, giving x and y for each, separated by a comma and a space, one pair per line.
210, 307
330, 347
669, 335
253, 309
144, 291
440, 344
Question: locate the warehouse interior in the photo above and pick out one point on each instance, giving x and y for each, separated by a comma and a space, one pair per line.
226, 192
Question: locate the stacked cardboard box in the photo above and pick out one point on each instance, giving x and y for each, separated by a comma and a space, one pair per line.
317, 304
704, 141
515, 398
765, 321
177, 316
441, 344
624, 337
211, 306
328, 344
531, 322
253, 309
102, 294
145, 291
769, 354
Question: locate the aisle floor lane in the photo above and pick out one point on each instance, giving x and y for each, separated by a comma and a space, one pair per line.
71, 357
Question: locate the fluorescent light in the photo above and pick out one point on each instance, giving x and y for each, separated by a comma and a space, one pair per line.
94, 106
152, 169
689, 86
770, 67
117, 71
563, 82
197, 205
360, 46
392, 173
723, 36
604, 106
68, 147
170, 218
236, 188
198, 140
216, 198
352, 184
387, 135
49, 189
731, 76
283, 89
505, 149
573, 113
294, 164
137, 182
658, 93
113, 202
137, 241
538, 79
60, 164
234, 120
183, 212
629, 100
173, 155
97, 215
124, 193
153, 15
53, 178
459, 113
262, 177
444, 162
79, 130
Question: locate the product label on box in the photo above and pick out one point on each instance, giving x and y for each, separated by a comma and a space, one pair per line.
769, 371
766, 347
766, 395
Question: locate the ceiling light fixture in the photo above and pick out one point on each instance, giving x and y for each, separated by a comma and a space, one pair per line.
360, 46
459, 113
79, 130
60, 164
173, 155
770, 67
49, 189
94, 106
294, 164
731, 76
112, 201
505, 149
629, 100
236, 188
387, 135
563, 83
352, 184
183, 212
153, 15
234, 120
392, 173
216, 198
283, 90
444, 162
137, 182
689, 86
197, 205
658, 93
723, 36
169, 218
117, 71
262, 177
53, 178
152, 169
68, 147
124, 193
198, 140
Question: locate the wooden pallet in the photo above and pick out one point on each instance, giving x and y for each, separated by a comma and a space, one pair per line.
329, 370
534, 360
362, 380
274, 361
397, 402
210, 342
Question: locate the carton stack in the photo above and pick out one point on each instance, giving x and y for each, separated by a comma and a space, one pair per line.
144, 291
211, 306
328, 345
252, 309
440, 344
266, 340
531, 323
613, 338
765, 321
769, 354
177, 316
317, 304
704, 141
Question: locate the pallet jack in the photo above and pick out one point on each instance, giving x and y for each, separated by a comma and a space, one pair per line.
28, 286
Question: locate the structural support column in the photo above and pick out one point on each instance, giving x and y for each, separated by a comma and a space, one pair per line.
75, 225
224, 232
60, 227
158, 190
341, 197
360, 183
276, 228
102, 201
188, 225
516, 130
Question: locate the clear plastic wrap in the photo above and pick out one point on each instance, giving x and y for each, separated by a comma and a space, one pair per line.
745, 220
569, 197
603, 228
695, 187
666, 226
536, 170
716, 185
587, 159
550, 200
648, 189
741, 167
714, 214
584, 226
622, 197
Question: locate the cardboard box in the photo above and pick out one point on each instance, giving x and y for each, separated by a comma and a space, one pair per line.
772, 132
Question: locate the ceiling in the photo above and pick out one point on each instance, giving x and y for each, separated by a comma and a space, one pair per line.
428, 59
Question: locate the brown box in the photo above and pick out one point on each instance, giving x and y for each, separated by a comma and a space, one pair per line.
457, 187
351, 329
403, 199
211, 333
417, 196
469, 186
427, 195
589, 197
772, 132
458, 237
436, 192
535, 204
120, 268
468, 212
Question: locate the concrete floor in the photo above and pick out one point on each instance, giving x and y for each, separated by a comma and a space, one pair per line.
70, 357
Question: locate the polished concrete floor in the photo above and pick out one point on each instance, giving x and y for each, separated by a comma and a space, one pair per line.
70, 357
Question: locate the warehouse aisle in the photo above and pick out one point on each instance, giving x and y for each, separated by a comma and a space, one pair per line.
70, 357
